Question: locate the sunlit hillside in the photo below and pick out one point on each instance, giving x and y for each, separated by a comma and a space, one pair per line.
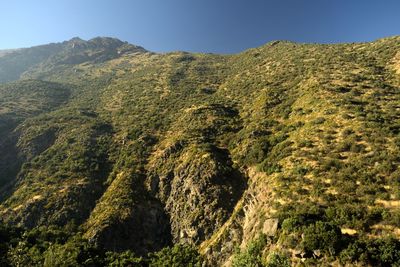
280, 155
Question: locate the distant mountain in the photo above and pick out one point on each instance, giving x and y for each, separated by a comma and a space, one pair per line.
286, 154
6, 51
14, 64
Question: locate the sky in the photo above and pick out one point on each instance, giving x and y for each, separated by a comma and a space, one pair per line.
214, 26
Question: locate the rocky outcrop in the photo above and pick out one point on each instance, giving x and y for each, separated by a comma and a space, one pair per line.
199, 188
253, 214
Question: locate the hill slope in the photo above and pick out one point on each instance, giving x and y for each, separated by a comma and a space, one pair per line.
286, 152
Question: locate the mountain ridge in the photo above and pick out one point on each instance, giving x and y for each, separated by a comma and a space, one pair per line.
74, 51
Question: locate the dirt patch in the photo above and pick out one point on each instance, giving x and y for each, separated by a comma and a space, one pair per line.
388, 203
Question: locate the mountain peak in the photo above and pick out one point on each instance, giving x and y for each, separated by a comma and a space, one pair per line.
101, 42
76, 39
71, 52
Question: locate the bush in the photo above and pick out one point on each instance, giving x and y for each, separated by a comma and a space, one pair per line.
323, 236
76, 252
318, 120
385, 252
290, 224
8, 238
276, 259
269, 168
375, 252
178, 255
252, 255
126, 258
256, 153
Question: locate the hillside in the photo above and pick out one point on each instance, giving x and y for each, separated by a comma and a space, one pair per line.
283, 154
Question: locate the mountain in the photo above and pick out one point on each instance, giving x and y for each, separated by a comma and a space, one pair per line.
20, 63
6, 51
284, 154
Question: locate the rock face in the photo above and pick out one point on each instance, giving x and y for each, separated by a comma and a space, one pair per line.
199, 189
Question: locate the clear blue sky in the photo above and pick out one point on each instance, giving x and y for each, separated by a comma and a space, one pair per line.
221, 26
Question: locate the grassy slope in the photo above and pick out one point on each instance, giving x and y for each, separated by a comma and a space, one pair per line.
313, 129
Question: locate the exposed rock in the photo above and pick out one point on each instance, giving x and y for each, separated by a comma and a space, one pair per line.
199, 190
270, 227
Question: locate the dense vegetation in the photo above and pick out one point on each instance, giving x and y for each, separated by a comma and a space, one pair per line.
53, 246
111, 155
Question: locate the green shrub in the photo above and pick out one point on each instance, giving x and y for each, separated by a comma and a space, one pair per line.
176, 256
318, 120
385, 251
126, 258
276, 259
76, 252
252, 255
269, 168
322, 236
375, 252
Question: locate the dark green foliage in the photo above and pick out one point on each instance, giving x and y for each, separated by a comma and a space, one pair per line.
252, 255
275, 259
269, 168
256, 153
378, 252
178, 255
322, 236
126, 258
27, 247
353, 215
75, 252
61, 247
9, 237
